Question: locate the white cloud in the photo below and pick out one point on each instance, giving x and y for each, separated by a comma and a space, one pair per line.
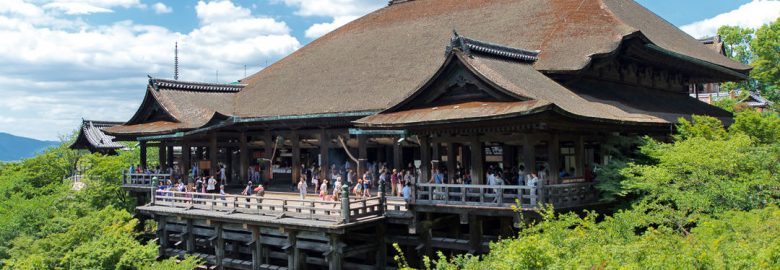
52, 76
161, 8
339, 11
319, 29
751, 15
76, 8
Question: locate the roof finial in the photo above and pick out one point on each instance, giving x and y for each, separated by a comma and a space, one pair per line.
176, 62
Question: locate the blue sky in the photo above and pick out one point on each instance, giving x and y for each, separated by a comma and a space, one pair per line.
63, 60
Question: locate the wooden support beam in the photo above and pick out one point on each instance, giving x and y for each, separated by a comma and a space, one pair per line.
219, 248
293, 252
529, 155
475, 234
362, 155
142, 146
162, 235
257, 248
425, 159
451, 161
213, 154
579, 156
169, 159
161, 155
436, 149
296, 157
477, 161
324, 138
397, 155
190, 237
554, 149
184, 165
268, 152
243, 157
381, 251
335, 256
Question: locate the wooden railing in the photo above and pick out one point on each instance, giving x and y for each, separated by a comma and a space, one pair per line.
143, 179
270, 206
482, 195
560, 196
571, 195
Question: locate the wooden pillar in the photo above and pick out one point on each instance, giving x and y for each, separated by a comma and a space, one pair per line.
243, 157
381, 251
296, 157
397, 155
508, 156
475, 234
324, 152
335, 256
213, 154
579, 156
293, 252
185, 165
142, 145
451, 161
169, 159
465, 154
219, 248
268, 152
162, 235
425, 159
388, 153
229, 165
190, 237
380, 154
436, 149
477, 161
257, 248
554, 149
161, 155
529, 155
362, 155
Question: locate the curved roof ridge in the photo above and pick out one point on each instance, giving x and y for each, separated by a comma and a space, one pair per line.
194, 86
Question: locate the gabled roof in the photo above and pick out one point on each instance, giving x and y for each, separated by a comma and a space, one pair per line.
172, 106
377, 59
531, 92
755, 100
92, 137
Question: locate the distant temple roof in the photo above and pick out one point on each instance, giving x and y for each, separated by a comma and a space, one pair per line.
171, 106
91, 137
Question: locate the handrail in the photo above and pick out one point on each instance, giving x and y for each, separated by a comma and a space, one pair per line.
560, 195
143, 179
263, 205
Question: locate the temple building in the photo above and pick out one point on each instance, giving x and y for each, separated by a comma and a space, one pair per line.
452, 87
92, 138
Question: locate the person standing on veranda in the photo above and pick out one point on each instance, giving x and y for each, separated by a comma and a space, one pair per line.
302, 187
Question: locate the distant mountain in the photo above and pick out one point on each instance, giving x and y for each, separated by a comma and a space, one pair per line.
14, 148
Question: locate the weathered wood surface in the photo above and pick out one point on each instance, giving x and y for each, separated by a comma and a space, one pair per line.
142, 179
526, 197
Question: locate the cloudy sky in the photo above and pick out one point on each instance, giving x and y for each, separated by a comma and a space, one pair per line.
63, 60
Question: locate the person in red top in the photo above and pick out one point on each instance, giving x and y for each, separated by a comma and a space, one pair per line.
394, 183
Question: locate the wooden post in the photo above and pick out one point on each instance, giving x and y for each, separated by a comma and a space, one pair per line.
381, 251
475, 234
508, 156
344, 204
228, 166
580, 156
451, 161
362, 155
425, 159
324, 152
293, 252
257, 248
220, 247
554, 149
213, 154
185, 165
296, 157
268, 153
190, 237
335, 256
436, 149
529, 157
477, 161
243, 157
382, 198
162, 234
397, 155
161, 155
142, 145
169, 159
